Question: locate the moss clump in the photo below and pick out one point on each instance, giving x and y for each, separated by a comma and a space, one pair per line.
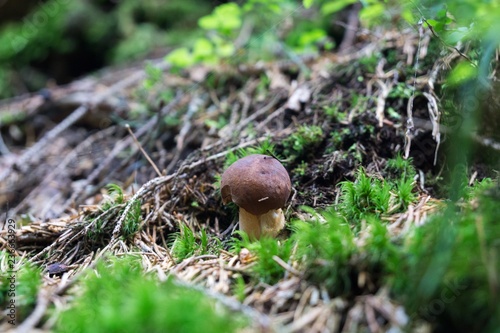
27, 280
452, 267
334, 254
267, 250
439, 271
119, 298
368, 195
187, 243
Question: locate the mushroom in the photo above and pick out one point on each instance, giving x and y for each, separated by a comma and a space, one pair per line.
260, 186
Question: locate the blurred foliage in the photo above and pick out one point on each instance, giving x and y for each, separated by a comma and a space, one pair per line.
96, 33
61, 40
452, 267
18, 286
227, 27
326, 244
141, 304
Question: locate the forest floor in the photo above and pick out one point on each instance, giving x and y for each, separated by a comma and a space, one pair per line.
324, 116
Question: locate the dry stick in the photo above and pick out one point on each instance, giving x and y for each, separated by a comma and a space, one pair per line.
120, 146
245, 33
307, 318
33, 152
58, 241
127, 126
409, 122
351, 29
194, 106
286, 266
42, 303
383, 92
381, 100
434, 116
26, 159
116, 149
266, 108
370, 318
246, 104
305, 298
152, 184
271, 117
65, 235
61, 166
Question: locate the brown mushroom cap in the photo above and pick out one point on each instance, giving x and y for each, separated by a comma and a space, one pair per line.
256, 183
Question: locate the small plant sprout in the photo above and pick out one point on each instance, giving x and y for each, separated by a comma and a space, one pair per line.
260, 186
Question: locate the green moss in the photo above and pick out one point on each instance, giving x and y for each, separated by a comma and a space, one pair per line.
267, 269
452, 267
334, 254
140, 304
266, 147
187, 243
26, 279
364, 196
59, 31
326, 243
304, 138
368, 195
439, 271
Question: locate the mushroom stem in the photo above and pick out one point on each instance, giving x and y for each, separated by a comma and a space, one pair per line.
272, 222
267, 224
250, 224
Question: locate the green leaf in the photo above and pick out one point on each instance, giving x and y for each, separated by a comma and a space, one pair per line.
230, 16
310, 37
332, 7
225, 50
208, 22
372, 13
432, 22
457, 35
225, 18
462, 72
202, 49
307, 3
180, 57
